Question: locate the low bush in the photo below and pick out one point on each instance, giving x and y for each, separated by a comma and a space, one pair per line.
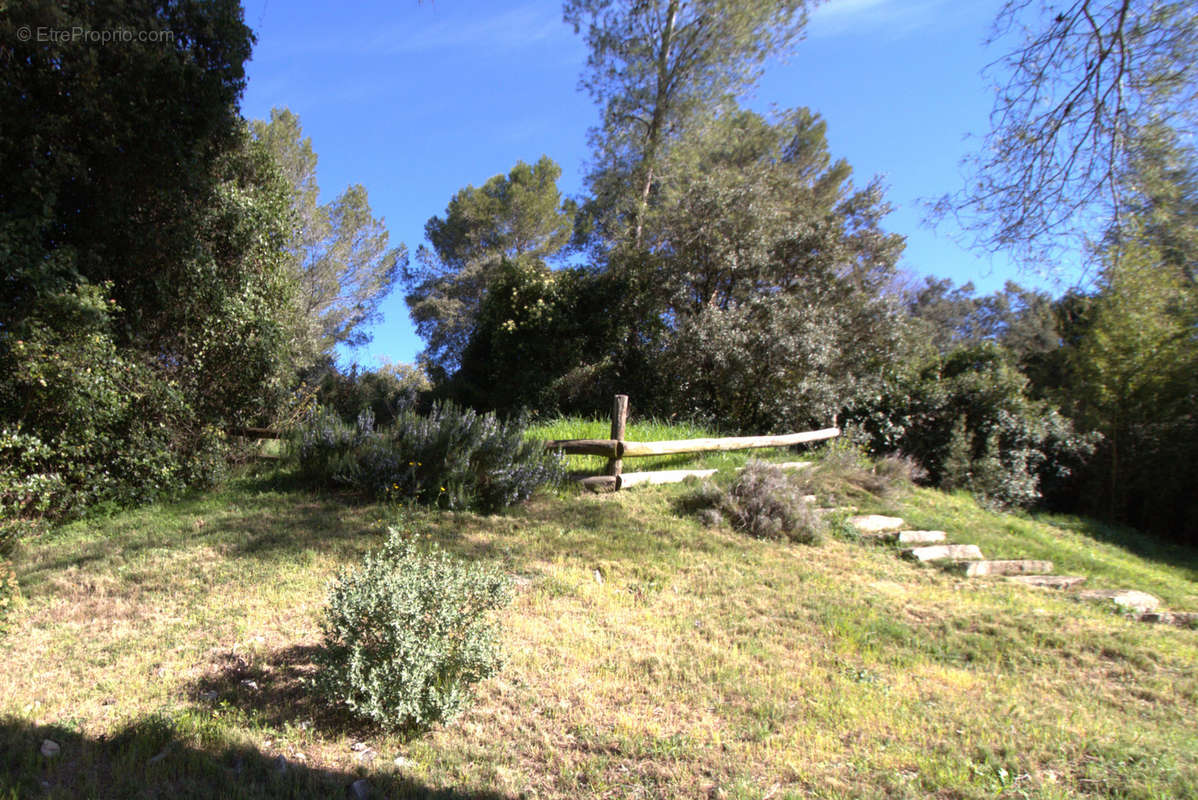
843, 472
408, 634
763, 501
451, 458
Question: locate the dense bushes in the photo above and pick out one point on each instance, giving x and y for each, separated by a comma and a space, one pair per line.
385, 392
969, 421
777, 362
451, 458
408, 634
763, 502
88, 424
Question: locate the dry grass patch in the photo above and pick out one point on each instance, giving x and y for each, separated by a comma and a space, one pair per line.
646, 657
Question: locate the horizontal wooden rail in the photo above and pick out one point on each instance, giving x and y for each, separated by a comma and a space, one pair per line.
615, 449
635, 449
602, 484
609, 448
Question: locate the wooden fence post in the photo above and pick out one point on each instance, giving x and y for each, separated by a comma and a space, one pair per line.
619, 416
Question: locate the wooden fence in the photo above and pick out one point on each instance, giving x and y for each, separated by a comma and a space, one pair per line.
616, 449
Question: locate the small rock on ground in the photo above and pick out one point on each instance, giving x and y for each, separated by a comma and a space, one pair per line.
976, 569
1048, 581
1127, 599
359, 789
50, 748
937, 552
921, 537
1182, 619
875, 523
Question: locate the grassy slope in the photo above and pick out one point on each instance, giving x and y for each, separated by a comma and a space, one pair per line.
648, 657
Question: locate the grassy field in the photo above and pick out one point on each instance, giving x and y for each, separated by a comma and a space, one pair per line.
167, 650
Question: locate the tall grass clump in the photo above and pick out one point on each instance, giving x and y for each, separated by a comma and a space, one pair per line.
408, 634
843, 472
450, 458
763, 501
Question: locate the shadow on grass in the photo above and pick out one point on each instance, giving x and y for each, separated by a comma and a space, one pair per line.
1146, 546
267, 529
274, 689
161, 758
271, 518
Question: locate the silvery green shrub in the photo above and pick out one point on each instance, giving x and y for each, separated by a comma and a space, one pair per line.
409, 633
450, 458
762, 501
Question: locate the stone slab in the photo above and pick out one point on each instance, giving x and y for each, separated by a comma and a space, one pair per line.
875, 523
907, 537
976, 569
1049, 581
938, 552
920, 537
1127, 599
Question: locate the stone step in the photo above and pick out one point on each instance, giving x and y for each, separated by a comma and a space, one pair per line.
875, 523
938, 552
976, 569
920, 537
1182, 619
1126, 599
907, 537
1049, 581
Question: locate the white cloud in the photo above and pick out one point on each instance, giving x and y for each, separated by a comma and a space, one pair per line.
511, 29
435, 27
894, 18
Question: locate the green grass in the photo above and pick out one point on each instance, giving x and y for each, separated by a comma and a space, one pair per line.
1109, 556
168, 651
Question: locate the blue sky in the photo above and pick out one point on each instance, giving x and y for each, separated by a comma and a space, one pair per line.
417, 100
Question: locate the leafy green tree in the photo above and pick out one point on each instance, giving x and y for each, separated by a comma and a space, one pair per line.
145, 302
1127, 368
519, 217
1162, 184
658, 67
774, 270
758, 301
1134, 379
1023, 321
340, 252
109, 154
542, 341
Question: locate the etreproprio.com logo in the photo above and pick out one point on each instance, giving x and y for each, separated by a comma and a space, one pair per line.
26, 33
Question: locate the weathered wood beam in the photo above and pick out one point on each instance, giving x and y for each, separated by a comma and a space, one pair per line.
662, 476
586, 447
636, 449
601, 484
619, 417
